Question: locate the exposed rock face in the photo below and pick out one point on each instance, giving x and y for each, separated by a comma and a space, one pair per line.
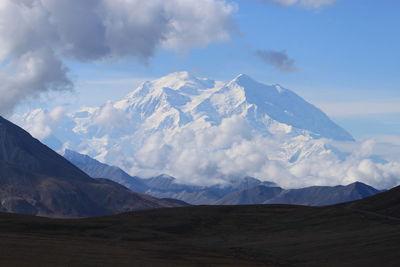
36, 180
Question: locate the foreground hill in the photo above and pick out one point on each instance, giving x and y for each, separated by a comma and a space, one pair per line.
386, 203
36, 180
267, 235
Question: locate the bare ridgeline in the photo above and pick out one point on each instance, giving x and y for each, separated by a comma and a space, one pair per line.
36, 180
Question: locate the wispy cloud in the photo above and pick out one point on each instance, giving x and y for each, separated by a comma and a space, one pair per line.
354, 108
303, 3
277, 59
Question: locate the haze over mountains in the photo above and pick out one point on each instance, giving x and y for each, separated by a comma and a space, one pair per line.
241, 191
205, 132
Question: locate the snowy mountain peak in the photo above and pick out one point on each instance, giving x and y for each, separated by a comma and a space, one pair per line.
181, 81
178, 76
181, 99
211, 129
247, 83
267, 106
243, 77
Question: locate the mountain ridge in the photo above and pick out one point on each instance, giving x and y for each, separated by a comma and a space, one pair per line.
38, 181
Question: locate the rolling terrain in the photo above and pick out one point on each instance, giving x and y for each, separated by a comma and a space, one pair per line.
361, 233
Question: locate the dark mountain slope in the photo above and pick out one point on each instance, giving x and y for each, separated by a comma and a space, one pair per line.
97, 169
36, 180
18, 147
308, 196
324, 195
256, 195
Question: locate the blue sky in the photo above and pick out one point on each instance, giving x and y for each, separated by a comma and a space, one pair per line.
346, 57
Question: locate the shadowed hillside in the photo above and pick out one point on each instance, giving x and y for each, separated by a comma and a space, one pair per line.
36, 180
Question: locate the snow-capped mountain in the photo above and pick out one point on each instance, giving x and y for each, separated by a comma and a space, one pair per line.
179, 99
269, 109
209, 132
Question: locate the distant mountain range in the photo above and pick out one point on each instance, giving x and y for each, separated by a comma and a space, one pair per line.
36, 180
309, 196
245, 191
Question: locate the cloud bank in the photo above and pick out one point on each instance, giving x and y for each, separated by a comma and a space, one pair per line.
224, 152
278, 59
41, 123
36, 36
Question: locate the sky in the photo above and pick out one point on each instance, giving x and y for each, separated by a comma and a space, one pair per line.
342, 55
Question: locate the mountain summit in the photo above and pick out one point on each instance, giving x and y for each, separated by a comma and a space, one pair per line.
179, 99
267, 104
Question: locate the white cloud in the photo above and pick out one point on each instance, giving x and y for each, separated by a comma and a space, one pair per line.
219, 153
40, 123
37, 35
30, 74
198, 23
108, 118
94, 29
